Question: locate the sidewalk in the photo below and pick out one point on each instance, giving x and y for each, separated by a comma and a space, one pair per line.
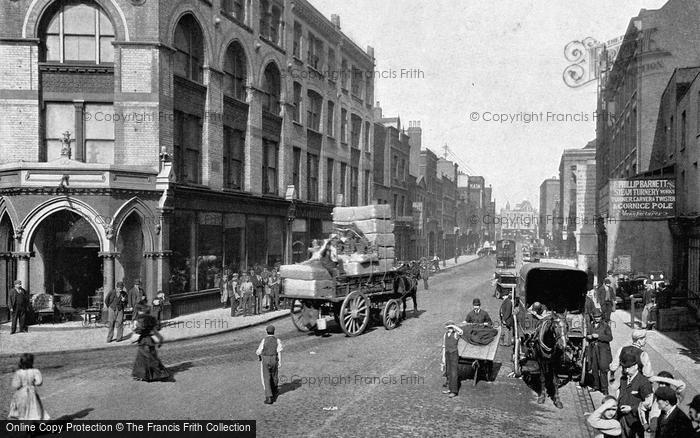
675, 352
73, 336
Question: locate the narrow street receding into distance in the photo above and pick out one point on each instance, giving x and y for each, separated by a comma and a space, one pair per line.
382, 383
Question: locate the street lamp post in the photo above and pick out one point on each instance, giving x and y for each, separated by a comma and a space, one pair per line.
290, 196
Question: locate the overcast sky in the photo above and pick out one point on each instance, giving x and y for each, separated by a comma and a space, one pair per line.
487, 56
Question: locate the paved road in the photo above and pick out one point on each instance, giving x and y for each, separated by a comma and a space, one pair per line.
382, 383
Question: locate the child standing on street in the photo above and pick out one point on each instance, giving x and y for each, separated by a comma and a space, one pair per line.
26, 404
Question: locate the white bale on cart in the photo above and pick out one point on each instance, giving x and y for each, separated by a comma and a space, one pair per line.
359, 214
370, 225
309, 288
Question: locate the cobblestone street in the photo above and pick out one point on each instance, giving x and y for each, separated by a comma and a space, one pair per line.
380, 383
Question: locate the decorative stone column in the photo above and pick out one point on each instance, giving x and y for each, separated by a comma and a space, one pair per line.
23, 269
108, 281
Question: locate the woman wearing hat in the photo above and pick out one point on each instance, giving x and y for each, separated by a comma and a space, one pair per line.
598, 355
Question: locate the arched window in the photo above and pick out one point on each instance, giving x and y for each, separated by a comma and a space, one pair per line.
189, 49
235, 72
77, 31
271, 90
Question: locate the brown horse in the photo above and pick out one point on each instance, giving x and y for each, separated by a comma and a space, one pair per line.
549, 345
407, 285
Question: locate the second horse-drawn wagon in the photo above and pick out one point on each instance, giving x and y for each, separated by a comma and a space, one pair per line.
351, 275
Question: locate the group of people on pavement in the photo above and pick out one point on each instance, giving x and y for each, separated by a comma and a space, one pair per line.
252, 292
645, 405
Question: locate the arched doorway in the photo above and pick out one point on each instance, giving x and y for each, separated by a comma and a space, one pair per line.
66, 260
130, 265
8, 266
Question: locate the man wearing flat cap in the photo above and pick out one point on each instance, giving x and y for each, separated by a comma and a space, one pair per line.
477, 315
599, 356
635, 388
673, 422
639, 340
19, 306
450, 358
270, 356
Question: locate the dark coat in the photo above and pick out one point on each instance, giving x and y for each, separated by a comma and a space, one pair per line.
478, 318
602, 344
506, 312
19, 301
135, 294
116, 300
676, 425
601, 294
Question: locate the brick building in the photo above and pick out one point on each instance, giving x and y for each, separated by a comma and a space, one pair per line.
159, 140
676, 153
656, 42
393, 183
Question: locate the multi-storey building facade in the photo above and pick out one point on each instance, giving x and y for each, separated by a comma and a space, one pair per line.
573, 182
392, 180
676, 152
655, 43
170, 141
448, 173
549, 195
519, 223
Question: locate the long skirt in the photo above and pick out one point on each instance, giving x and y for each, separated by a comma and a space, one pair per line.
148, 366
26, 405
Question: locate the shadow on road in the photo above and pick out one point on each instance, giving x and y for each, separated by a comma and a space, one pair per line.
180, 368
290, 386
80, 414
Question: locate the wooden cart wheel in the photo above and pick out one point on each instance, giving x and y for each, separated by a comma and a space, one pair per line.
391, 314
298, 316
354, 313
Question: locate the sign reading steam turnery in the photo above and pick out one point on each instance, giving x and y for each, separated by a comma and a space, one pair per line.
642, 198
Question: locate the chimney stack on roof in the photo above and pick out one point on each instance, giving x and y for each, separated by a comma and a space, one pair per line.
335, 19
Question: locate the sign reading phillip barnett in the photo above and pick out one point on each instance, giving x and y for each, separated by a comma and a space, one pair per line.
642, 198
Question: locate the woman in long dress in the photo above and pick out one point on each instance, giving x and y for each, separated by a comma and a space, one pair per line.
148, 366
26, 404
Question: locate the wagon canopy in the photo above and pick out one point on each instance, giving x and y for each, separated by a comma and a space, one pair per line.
561, 288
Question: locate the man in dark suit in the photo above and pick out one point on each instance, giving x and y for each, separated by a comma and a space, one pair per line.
135, 294
606, 299
478, 316
599, 354
673, 422
259, 288
634, 389
19, 306
116, 301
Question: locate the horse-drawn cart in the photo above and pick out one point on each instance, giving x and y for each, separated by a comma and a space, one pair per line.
351, 275
552, 342
353, 301
479, 356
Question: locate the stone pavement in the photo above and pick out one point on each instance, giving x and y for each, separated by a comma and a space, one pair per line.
75, 336
676, 352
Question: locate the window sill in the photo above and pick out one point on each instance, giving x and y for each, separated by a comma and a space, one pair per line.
316, 70
330, 137
272, 44
235, 20
295, 123
297, 60
271, 195
344, 144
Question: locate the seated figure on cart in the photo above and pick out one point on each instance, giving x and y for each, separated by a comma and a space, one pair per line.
328, 255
